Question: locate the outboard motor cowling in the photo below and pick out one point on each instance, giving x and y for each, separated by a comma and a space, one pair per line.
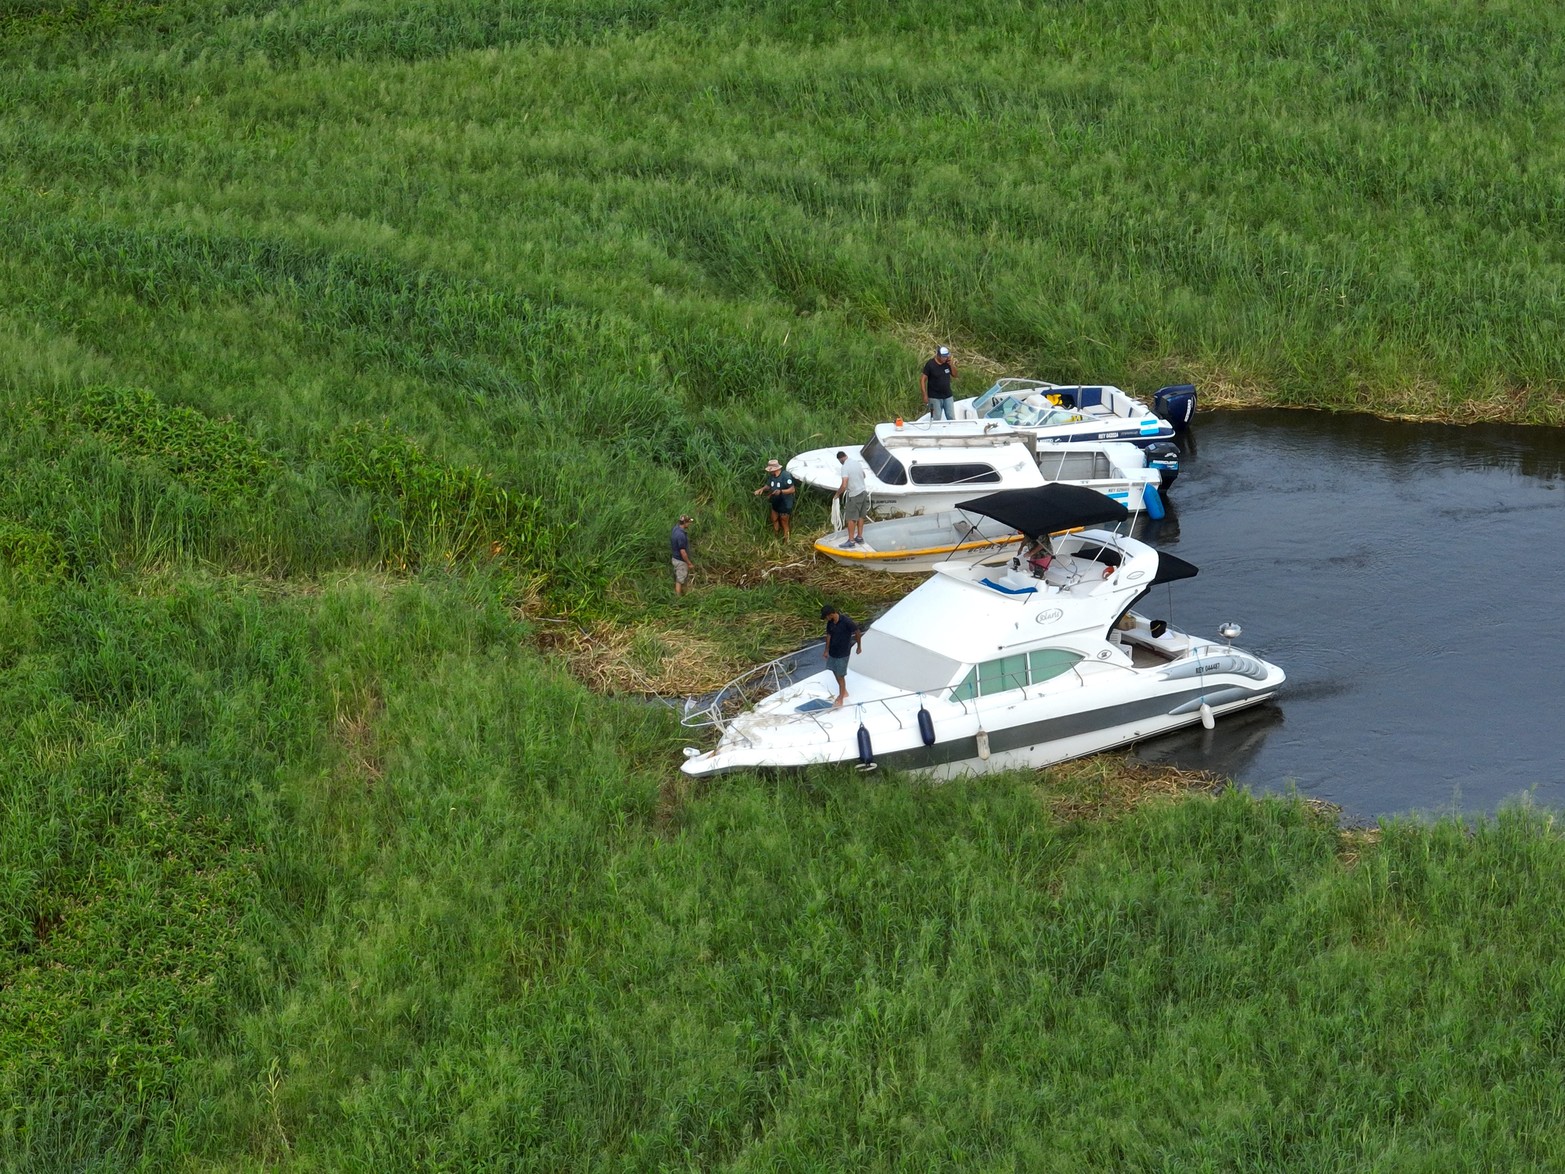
1163, 455
1176, 404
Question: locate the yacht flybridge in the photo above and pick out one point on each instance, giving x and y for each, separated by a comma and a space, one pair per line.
981, 668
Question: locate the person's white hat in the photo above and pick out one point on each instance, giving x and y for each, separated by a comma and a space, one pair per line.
774, 463
945, 350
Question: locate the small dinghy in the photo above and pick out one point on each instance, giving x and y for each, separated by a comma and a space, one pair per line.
922, 542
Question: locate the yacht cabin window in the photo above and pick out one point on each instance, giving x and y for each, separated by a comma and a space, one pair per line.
1015, 672
964, 474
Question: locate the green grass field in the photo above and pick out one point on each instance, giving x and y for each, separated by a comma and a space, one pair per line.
355, 360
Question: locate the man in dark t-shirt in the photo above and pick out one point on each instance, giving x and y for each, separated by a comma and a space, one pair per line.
780, 490
843, 637
679, 548
934, 381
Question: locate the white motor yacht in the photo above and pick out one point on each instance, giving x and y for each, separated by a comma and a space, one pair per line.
1052, 656
1059, 412
927, 468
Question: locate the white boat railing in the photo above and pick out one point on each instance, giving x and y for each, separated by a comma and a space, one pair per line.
746, 689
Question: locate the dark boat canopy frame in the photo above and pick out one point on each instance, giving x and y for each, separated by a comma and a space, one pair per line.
1049, 509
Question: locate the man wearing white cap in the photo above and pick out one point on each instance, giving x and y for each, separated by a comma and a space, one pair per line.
779, 484
935, 383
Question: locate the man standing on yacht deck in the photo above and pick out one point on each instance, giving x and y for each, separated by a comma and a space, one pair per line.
843, 637
854, 493
935, 384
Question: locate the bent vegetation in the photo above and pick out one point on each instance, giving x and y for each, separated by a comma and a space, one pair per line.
355, 360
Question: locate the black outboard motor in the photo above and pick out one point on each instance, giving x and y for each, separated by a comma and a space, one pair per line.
1163, 455
1176, 404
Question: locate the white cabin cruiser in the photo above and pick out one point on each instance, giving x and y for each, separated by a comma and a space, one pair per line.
984, 669
1059, 412
930, 467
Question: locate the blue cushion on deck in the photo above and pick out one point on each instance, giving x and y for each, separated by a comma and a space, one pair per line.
1008, 590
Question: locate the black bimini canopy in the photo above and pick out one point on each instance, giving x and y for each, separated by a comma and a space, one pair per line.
1049, 509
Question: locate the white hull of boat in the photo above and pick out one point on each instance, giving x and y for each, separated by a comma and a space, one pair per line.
984, 668
995, 457
1022, 735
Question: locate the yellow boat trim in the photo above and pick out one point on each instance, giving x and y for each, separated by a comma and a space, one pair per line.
868, 555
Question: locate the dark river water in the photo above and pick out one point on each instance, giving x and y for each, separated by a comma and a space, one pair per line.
1409, 578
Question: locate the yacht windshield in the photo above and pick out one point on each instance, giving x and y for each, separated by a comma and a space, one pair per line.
882, 463
906, 665
1015, 410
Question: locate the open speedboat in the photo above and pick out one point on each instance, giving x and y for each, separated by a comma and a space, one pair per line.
1056, 412
929, 468
983, 668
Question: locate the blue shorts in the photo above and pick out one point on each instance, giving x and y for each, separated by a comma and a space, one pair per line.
838, 666
782, 503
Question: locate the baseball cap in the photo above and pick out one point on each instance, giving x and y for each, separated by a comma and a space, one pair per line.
683, 518
945, 350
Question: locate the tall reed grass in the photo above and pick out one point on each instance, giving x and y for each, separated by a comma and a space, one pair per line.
346, 349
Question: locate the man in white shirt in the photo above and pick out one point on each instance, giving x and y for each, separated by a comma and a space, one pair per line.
855, 498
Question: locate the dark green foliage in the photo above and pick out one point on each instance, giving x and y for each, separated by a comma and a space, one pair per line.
438, 509
213, 457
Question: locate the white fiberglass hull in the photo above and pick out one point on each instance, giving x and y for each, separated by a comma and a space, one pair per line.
1097, 711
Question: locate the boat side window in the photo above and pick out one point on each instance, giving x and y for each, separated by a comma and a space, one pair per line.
1015, 672
1002, 675
1050, 662
968, 689
968, 474
882, 463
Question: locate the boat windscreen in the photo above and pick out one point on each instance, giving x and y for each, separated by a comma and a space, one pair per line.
882, 463
901, 663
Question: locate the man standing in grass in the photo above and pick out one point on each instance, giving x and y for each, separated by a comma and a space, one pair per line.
679, 547
935, 382
843, 637
855, 498
779, 484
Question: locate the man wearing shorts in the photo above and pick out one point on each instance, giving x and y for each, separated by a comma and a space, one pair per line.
779, 485
855, 498
843, 637
679, 547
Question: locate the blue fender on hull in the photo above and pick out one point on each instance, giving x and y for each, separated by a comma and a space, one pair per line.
926, 726
1154, 502
866, 750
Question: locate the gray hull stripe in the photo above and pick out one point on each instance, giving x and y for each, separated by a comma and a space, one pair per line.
1058, 728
